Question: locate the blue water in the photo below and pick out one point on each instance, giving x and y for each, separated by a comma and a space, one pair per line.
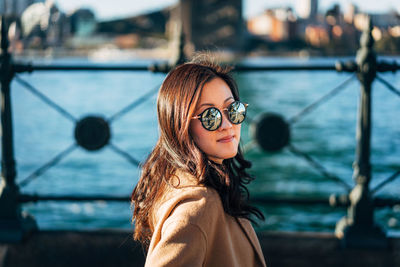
327, 134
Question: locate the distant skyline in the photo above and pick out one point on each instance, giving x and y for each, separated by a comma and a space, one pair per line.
107, 9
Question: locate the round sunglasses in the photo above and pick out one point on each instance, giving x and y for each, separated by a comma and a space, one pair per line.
211, 118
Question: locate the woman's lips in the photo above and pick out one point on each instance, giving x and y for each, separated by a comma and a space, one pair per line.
226, 139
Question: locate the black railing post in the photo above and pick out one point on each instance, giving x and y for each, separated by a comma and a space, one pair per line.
13, 223
358, 229
180, 57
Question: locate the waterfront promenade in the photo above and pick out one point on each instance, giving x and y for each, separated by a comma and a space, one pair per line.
117, 248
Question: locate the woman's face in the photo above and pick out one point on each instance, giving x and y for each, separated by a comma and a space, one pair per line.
222, 143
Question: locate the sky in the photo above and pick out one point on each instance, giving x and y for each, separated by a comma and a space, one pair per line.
107, 9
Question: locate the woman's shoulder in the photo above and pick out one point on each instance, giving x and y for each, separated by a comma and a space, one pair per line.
189, 202
197, 206
184, 185
192, 199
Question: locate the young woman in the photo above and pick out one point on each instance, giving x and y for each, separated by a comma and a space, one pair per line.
191, 204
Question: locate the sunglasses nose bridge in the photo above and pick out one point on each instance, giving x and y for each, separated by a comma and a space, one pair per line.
226, 122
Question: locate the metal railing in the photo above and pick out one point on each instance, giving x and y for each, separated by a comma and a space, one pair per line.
357, 229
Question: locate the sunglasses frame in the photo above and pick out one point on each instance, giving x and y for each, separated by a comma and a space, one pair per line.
225, 109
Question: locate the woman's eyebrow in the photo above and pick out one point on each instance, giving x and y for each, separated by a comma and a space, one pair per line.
209, 104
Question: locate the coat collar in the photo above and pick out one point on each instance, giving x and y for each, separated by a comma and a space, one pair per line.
251, 235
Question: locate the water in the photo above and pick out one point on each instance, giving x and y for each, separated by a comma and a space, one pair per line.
327, 134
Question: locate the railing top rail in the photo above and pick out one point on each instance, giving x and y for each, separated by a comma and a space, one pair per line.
163, 67
288, 67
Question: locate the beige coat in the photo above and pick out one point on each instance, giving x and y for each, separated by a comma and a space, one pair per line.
192, 229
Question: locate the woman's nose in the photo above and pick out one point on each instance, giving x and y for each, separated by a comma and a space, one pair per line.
226, 123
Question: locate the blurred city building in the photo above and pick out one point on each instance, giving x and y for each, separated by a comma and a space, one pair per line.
277, 25
43, 25
83, 30
307, 9
331, 32
83, 22
145, 30
214, 25
211, 25
16, 7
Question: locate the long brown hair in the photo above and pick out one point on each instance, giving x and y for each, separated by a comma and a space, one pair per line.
176, 150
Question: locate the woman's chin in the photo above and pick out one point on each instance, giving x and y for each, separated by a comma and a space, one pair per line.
227, 156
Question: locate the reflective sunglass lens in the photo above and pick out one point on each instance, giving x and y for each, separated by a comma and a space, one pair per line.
237, 112
211, 119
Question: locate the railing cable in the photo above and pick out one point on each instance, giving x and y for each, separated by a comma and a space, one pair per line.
44, 98
134, 104
324, 98
388, 85
47, 165
383, 183
319, 167
124, 154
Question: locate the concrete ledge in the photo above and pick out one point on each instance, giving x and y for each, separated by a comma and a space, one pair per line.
74, 248
322, 249
117, 248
